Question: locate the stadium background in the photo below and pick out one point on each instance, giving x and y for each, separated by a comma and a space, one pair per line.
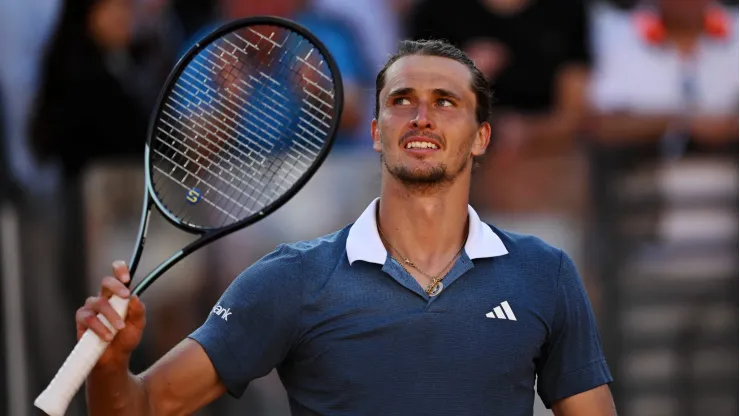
653, 227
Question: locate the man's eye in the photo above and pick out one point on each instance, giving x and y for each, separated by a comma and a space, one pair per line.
401, 101
443, 102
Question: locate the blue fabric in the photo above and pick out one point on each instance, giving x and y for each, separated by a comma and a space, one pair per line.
366, 340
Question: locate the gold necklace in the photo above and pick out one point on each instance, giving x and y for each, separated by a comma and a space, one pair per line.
435, 287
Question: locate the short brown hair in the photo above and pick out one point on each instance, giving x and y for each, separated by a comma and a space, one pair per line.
442, 49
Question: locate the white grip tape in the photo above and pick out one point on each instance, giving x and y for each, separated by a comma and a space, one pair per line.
60, 391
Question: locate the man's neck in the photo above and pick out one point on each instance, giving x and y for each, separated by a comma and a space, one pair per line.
427, 227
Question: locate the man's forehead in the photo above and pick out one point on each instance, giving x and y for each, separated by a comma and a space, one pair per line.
428, 73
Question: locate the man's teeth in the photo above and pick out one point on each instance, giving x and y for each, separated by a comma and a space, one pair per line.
421, 145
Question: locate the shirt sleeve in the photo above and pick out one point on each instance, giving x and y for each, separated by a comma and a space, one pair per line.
572, 360
252, 327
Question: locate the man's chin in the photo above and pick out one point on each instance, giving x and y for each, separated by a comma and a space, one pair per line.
420, 176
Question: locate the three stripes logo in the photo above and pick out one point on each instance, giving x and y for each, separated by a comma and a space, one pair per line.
502, 312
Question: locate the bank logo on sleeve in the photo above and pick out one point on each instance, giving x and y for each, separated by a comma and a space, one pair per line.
222, 312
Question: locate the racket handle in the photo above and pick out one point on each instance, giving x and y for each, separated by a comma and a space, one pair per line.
60, 391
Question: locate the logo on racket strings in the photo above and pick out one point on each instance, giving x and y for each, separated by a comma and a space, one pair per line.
194, 196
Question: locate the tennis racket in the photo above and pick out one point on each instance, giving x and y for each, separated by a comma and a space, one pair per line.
245, 119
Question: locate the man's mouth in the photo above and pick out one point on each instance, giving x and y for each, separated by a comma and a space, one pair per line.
421, 144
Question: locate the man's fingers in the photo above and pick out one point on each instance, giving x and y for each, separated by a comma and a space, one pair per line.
87, 319
136, 312
111, 285
102, 306
120, 271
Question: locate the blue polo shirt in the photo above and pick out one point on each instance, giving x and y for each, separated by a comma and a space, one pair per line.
350, 332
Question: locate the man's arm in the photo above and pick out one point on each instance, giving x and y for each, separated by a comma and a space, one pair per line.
595, 402
223, 355
573, 373
181, 382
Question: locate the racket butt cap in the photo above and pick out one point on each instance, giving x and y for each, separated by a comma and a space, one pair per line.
49, 406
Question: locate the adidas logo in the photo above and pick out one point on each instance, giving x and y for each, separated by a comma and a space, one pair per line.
502, 312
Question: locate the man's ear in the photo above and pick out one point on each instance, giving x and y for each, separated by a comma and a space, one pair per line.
375, 133
482, 139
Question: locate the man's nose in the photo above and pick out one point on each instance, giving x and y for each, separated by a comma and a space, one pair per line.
422, 120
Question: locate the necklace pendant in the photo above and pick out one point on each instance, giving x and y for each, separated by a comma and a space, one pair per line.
437, 289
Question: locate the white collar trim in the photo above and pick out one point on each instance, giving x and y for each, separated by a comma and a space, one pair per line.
363, 241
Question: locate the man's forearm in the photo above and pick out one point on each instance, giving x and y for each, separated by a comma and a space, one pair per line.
116, 392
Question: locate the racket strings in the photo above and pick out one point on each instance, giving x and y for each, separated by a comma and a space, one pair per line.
245, 120
265, 85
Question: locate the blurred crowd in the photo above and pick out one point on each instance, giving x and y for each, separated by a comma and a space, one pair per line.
615, 133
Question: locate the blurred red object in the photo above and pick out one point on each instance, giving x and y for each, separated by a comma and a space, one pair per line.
244, 8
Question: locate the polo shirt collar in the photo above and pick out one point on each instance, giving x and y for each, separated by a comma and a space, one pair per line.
363, 241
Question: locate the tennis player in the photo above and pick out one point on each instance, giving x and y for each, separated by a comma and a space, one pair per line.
417, 308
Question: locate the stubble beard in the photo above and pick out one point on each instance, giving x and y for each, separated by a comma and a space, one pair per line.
424, 180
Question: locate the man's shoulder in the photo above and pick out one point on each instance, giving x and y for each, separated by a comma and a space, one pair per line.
527, 247
324, 247
537, 265
293, 260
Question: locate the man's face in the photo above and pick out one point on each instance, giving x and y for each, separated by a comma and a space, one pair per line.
426, 130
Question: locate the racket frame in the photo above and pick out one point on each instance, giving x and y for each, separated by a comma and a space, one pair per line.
208, 235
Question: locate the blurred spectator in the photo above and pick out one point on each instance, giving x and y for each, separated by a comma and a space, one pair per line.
537, 57
668, 70
377, 22
535, 53
20, 61
343, 43
102, 70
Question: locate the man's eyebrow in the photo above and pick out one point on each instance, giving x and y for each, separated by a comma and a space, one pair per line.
441, 92
400, 91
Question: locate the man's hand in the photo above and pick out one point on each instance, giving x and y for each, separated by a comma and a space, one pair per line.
181, 382
129, 332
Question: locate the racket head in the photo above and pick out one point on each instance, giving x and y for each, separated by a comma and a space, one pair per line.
259, 54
